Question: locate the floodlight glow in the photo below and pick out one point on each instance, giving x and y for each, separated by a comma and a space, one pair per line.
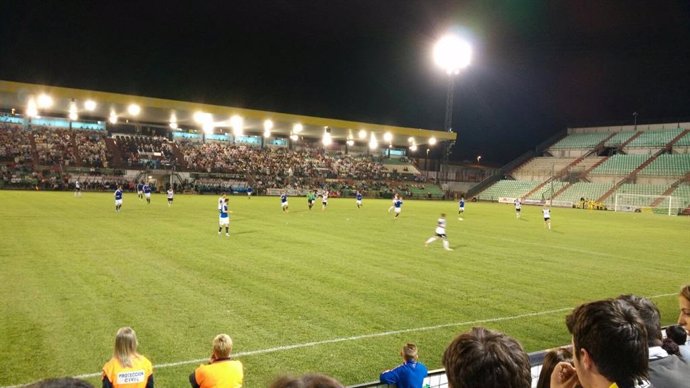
432, 141
362, 134
373, 143
294, 137
413, 147
410, 139
73, 111
207, 127
237, 124
45, 101
31, 109
350, 142
268, 125
388, 137
113, 117
90, 105
173, 125
452, 54
133, 109
297, 128
327, 139
173, 120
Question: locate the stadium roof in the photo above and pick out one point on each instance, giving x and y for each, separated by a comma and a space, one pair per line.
158, 111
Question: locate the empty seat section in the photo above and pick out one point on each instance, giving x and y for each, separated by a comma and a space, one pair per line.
507, 188
655, 138
586, 190
547, 191
639, 189
684, 141
541, 168
581, 140
682, 194
668, 165
620, 165
618, 139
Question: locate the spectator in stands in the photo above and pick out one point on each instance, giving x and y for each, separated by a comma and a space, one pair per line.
221, 370
64, 382
483, 358
306, 381
666, 368
551, 359
610, 347
684, 305
410, 374
678, 335
127, 364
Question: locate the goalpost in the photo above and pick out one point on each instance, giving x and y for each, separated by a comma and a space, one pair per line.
665, 204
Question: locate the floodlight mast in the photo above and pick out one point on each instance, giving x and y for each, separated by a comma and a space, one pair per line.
452, 55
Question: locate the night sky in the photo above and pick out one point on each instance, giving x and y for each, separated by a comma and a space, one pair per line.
539, 66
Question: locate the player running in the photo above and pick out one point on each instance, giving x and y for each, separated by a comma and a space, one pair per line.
171, 194
140, 190
440, 233
397, 205
147, 193
118, 199
284, 202
358, 201
324, 199
518, 207
395, 198
461, 208
311, 198
547, 216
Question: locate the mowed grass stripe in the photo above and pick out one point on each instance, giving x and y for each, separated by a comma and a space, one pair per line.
77, 271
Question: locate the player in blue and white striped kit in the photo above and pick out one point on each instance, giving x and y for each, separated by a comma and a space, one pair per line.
224, 218
397, 206
284, 202
118, 199
147, 193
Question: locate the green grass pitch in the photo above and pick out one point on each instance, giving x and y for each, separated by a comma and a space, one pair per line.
336, 291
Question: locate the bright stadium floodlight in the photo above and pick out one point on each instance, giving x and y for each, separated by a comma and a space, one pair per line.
207, 127
350, 142
237, 124
297, 128
452, 54
373, 143
410, 139
31, 109
90, 105
388, 137
133, 109
73, 111
432, 141
362, 134
268, 125
293, 136
112, 118
413, 147
45, 101
173, 120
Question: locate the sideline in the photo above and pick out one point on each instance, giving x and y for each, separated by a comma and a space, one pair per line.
345, 339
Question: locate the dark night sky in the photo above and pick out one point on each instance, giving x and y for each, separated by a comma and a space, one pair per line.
539, 66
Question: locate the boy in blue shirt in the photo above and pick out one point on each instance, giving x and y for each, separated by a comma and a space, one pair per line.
410, 374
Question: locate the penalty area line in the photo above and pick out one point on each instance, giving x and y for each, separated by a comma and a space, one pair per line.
347, 339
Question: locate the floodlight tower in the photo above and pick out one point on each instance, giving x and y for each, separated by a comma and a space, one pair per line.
451, 54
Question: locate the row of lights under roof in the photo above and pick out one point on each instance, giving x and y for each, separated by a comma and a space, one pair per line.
44, 101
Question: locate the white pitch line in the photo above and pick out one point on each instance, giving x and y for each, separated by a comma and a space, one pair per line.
345, 339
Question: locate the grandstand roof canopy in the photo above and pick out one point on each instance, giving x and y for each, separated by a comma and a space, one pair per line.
158, 111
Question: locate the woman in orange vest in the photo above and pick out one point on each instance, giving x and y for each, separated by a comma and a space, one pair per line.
127, 368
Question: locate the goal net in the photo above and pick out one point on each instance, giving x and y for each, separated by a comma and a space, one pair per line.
659, 204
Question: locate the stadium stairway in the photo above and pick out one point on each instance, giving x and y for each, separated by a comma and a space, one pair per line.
75, 150
114, 150
620, 148
632, 175
567, 168
179, 156
34, 152
671, 189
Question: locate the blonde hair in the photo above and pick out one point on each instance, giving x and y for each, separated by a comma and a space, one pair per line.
222, 346
409, 352
126, 346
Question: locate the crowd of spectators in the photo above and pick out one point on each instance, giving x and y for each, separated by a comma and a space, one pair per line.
92, 151
146, 151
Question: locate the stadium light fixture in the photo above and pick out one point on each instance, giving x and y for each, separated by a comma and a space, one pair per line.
268, 125
373, 143
45, 101
208, 127
362, 134
297, 128
388, 137
413, 147
410, 139
133, 109
432, 141
327, 139
237, 124
293, 136
173, 120
73, 115
113, 117
90, 105
452, 54
31, 109
350, 142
